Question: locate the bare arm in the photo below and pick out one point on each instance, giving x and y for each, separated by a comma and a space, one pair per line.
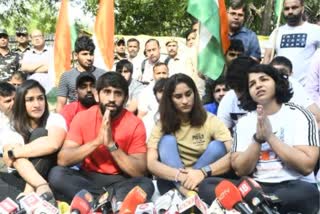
267, 56
301, 158
34, 68
133, 105
245, 162
43, 145
159, 169
134, 164
61, 101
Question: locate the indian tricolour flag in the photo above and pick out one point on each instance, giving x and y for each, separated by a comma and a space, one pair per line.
213, 41
278, 5
103, 34
64, 39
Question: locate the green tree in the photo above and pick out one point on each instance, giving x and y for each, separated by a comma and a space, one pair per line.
29, 13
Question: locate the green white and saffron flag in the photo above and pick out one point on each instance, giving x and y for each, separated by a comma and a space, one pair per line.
278, 5
213, 35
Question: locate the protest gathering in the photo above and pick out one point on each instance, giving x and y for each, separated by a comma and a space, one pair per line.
215, 120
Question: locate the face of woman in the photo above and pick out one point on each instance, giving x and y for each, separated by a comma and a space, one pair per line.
35, 103
261, 88
183, 98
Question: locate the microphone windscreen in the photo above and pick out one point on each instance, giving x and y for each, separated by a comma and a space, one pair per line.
82, 201
227, 194
135, 197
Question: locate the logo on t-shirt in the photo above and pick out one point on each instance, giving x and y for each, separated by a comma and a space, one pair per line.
297, 40
198, 139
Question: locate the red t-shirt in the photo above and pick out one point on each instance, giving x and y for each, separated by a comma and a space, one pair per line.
70, 110
127, 130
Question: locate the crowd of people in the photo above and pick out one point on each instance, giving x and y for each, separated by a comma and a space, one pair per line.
155, 117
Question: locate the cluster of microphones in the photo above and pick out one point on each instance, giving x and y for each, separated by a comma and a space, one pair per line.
246, 198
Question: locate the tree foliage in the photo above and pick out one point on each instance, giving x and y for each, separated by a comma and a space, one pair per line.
134, 17
28, 13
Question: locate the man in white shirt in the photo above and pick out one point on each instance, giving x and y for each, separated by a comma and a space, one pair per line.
297, 40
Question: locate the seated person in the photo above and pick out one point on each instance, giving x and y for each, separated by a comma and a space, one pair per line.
187, 144
125, 68
17, 78
30, 143
272, 147
147, 102
85, 87
109, 141
219, 88
153, 116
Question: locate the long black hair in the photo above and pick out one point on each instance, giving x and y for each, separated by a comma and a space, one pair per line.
283, 91
169, 117
20, 119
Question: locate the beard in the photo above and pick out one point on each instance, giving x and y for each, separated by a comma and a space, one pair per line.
293, 20
113, 113
87, 101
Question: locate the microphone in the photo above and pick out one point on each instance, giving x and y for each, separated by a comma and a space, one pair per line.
193, 204
251, 192
46, 208
163, 203
81, 203
135, 197
147, 208
30, 202
104, 201
8, 206
215, 208
229, 197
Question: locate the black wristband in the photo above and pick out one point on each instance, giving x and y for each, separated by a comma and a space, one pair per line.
260, 141
10, 154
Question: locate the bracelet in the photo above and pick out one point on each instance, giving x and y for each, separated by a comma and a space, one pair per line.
204, 172
177, 175
260, 141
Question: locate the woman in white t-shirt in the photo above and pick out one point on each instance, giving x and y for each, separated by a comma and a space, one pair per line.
277, 143
30, 143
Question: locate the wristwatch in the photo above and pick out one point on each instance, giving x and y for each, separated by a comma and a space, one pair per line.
260, 141
11, 154
114, 147
207, 170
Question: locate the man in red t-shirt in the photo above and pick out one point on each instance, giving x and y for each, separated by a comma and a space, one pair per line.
109, 141
85, 85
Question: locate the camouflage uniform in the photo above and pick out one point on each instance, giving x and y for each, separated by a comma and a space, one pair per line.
8, 64
20, 52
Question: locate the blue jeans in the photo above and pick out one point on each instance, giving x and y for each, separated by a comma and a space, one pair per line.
169, 153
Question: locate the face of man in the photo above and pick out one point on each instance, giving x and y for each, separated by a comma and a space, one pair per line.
153, 51
37, 39
22, 38
235, 18
112, 99
15, 81
172, 49
219, 92
160, 72
85, 59
85, 94
4, 40
6, 104
120, 47
133, 49
191, 39
293, 12
231, 55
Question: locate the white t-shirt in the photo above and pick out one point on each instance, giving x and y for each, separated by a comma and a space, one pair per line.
10, 136
297, 44
270, 168
229, 111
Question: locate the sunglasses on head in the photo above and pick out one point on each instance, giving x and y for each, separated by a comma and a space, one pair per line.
21, 34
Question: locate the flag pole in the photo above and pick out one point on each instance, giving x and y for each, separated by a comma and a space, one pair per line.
276, 30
